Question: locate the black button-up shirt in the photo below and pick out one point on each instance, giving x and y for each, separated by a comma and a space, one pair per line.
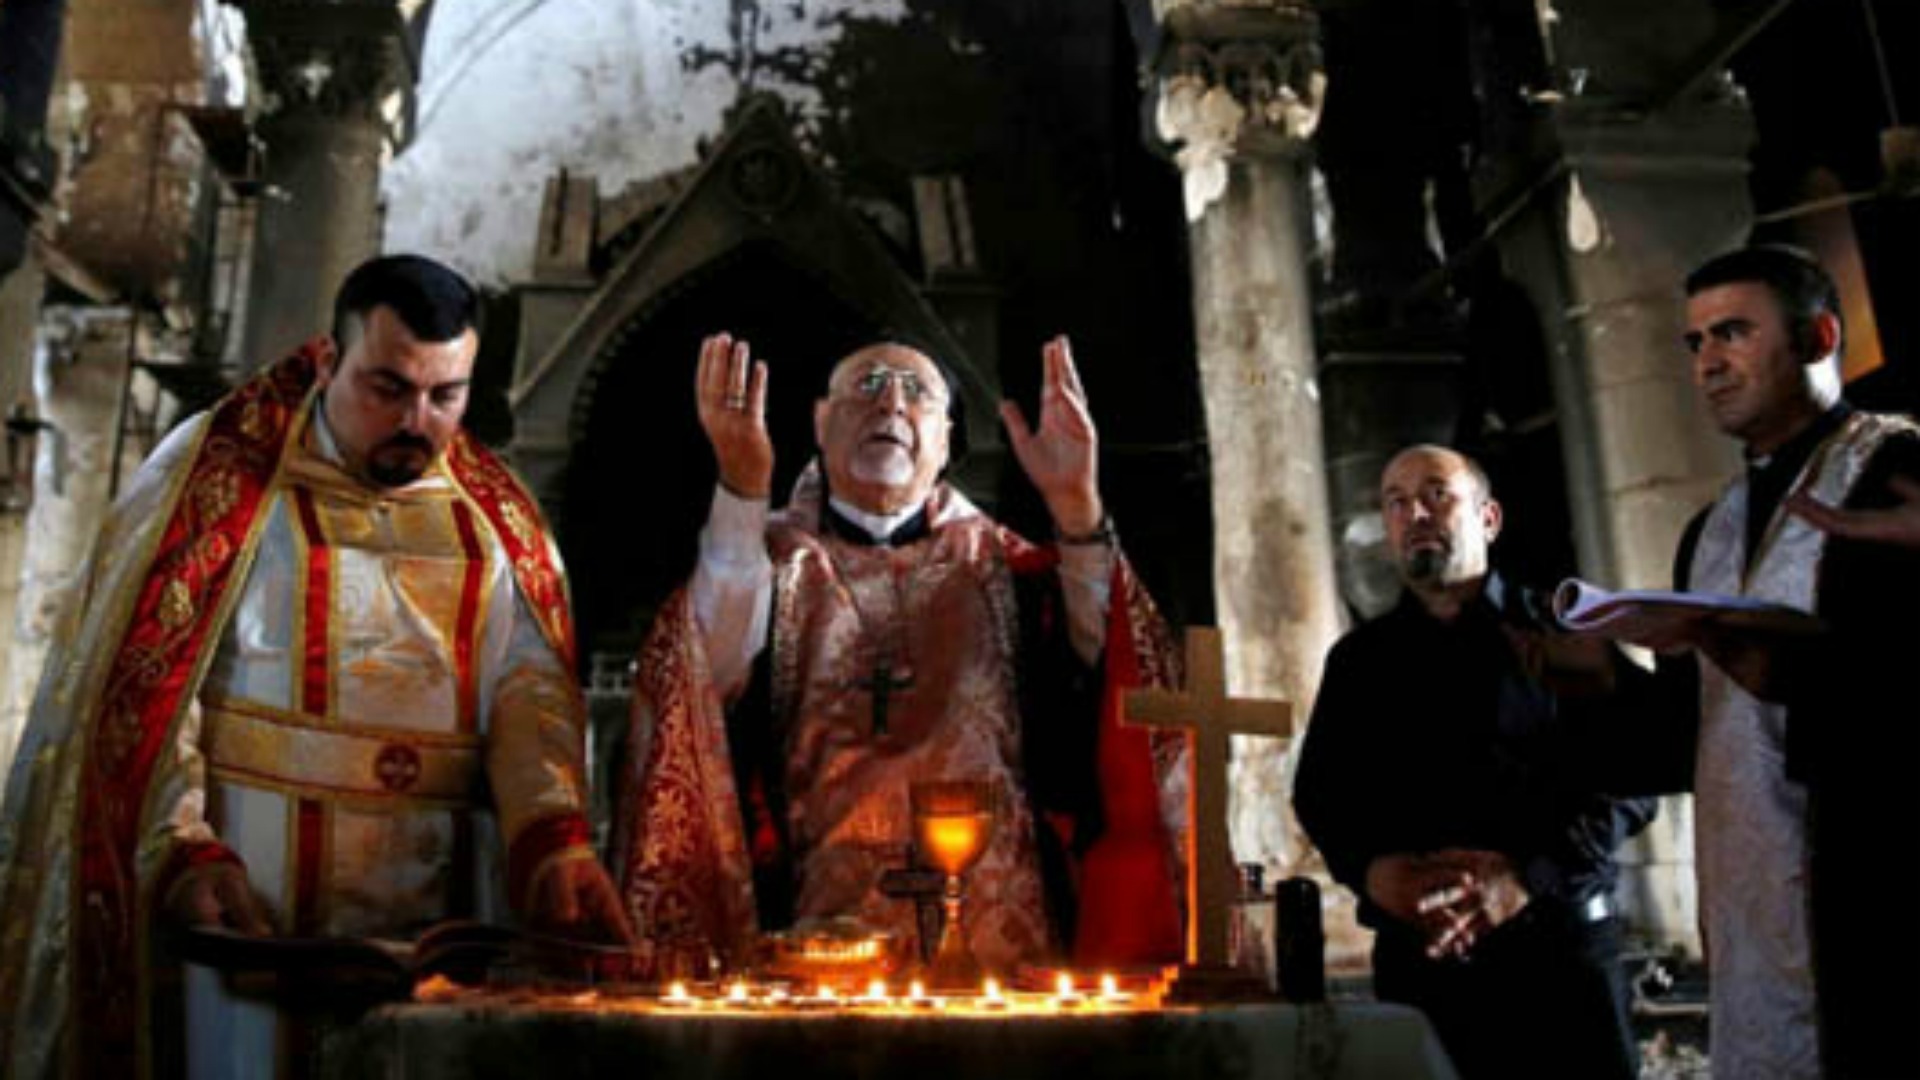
1429, 735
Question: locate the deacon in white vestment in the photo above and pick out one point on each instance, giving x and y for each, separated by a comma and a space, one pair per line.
319, 683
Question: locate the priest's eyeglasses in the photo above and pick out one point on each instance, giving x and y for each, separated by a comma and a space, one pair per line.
916, 390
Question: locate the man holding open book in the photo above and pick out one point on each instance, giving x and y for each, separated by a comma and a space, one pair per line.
1806, 744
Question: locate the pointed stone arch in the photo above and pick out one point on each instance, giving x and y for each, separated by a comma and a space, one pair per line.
757, 191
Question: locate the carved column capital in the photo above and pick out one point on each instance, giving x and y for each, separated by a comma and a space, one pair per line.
346, 60
1235, 79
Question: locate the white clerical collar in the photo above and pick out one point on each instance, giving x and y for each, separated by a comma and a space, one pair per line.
878, 526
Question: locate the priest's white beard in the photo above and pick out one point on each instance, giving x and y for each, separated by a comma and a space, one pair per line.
883, 464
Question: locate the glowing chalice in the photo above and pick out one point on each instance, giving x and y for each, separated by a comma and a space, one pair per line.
952, 825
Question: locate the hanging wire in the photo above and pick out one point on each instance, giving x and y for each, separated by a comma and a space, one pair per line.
1880, 61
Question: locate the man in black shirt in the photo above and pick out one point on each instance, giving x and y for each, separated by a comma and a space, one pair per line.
1430, 780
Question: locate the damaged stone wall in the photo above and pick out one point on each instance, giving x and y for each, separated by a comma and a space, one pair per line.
129, 212
510, 92
1032, 111
132, 182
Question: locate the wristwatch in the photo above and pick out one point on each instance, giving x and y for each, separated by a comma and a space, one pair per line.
1101, 534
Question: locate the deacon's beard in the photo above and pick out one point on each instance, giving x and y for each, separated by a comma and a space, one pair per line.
400, 468
398, 474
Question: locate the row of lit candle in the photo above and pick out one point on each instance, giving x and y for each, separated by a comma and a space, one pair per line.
879, 995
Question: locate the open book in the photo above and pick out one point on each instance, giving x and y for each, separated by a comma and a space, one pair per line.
347, 969
356, 972
1653, 616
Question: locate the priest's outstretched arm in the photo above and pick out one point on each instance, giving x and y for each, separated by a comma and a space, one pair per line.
1061, 457
732, 590
732, 586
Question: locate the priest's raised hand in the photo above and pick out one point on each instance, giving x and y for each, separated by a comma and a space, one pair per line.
1061, 456
731, 388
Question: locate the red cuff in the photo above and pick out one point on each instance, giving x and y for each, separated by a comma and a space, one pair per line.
538, 843
190, 855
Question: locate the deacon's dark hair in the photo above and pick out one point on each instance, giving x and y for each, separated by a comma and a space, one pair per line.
1798, 282
435, 303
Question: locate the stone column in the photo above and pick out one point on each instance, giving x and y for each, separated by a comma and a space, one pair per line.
1602, 247
78, 371
1239, 94
20, 293
338, 79
1617, 176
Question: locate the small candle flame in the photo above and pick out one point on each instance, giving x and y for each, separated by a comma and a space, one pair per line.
990, 991
877, 992
677, 993
916, 991
826, 993
738, 994
1063, 985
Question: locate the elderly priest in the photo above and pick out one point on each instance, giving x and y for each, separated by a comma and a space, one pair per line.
879, 631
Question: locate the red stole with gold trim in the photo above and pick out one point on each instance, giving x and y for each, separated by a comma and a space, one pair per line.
517, 524
179, 609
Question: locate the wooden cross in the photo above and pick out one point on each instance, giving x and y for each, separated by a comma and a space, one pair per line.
881, 684
1211, 718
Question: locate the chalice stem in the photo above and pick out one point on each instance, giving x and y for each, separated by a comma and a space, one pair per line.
954, 966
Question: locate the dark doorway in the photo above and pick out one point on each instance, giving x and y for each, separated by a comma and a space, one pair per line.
641, 477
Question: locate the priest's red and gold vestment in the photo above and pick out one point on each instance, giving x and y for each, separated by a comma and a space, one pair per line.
942, 658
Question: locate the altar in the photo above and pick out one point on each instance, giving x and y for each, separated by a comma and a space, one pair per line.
848, 1001
827, 1005
585, 1036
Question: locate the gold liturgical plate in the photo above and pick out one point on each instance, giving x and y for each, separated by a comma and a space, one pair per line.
844, 954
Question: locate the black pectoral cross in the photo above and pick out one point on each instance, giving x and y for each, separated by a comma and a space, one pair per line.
882, 684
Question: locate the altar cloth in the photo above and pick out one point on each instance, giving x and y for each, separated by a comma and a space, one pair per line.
482, 1039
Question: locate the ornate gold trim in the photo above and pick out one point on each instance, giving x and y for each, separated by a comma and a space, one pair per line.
289, 503
308, 756
256, 710
324, 478
343, 797
483, 605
